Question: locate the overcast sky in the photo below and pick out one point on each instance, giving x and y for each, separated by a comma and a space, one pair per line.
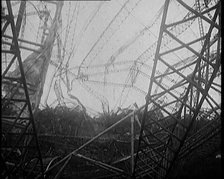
115, 33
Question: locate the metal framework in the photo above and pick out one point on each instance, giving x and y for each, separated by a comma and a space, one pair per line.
168, 132
20, 150
173, 143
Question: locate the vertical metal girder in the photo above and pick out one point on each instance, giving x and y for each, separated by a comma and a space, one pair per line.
132, 143
152, 78
195, 102
28, 129
19, 18
205, 91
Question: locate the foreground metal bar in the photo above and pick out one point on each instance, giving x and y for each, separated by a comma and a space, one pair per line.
93, 139
103, 165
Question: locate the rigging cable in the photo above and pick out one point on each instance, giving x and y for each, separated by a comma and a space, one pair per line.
106, 31
153, 46
83, 30
131, 41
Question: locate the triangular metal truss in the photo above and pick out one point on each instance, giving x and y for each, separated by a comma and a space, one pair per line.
171, 130
175, 134
20, 152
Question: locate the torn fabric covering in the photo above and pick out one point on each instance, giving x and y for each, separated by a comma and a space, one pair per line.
36, 65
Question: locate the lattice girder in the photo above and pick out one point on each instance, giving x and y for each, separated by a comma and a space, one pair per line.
174, 129
20, 151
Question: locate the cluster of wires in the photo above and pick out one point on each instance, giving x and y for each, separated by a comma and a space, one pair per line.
85, 73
